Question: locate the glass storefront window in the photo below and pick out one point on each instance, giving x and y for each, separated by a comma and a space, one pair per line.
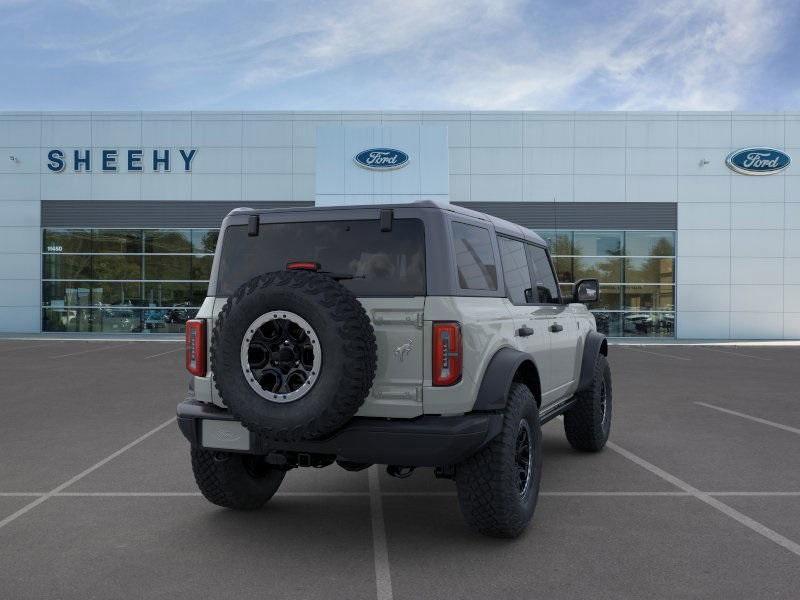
153, 280
175, 267
650, 270
610, 297
124, 280
67, 240
564, 271
91, 293
171, 294
117, 266
204, 241
168, 241
650, 243
607, 270
636, 270
67, 266
649, 297
648, 324
201, 267
608, 323
122, 241
597, 243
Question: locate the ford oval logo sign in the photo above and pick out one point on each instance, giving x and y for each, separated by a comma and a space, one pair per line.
758, 161
381, 159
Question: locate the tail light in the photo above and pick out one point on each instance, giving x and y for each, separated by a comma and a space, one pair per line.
196, 347
447, 353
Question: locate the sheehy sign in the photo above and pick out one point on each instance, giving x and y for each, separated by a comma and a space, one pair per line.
112, 160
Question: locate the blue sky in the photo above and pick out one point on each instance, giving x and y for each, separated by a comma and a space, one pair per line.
396, 54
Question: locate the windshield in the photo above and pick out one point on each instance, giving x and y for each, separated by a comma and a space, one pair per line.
390, 263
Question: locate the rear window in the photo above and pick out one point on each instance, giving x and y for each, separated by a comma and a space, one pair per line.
390, 263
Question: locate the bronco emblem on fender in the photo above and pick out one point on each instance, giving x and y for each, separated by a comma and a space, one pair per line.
402, 351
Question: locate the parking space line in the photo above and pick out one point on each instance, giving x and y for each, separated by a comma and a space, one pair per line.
751, 418
733, 353
196, 494
92, 350
755, 494
24, 348
734, 514
163, 353
126, 494
31, 505
656, 353
383, 578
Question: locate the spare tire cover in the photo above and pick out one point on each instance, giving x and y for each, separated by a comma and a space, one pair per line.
293, 355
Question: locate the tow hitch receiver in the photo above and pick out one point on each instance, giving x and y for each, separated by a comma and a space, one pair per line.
399, 471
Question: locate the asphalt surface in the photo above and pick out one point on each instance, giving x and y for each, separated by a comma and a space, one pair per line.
690, 500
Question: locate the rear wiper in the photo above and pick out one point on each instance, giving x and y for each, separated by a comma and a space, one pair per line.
342, 276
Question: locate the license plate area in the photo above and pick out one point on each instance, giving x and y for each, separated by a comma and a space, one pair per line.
224, 435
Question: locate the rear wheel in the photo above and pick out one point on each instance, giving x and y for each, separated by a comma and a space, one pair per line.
588, 423
239, 481
499, 485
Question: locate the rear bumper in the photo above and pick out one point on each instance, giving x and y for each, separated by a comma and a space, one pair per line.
426, 441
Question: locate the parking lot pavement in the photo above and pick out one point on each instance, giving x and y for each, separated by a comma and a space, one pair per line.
178, 548
90, 425
586, 547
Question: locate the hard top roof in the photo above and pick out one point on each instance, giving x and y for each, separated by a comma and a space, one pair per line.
500, 225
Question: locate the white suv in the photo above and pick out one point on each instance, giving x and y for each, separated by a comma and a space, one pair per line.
408, 335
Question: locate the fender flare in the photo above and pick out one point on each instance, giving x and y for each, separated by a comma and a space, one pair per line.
595, 344
497, 378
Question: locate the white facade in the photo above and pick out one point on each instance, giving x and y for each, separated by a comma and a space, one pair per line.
738, 241
340, 180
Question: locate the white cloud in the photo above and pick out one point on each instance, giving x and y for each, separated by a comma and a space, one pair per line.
460, 54
323, 39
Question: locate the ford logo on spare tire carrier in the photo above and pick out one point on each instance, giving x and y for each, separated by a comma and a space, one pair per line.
758, 161
381, 159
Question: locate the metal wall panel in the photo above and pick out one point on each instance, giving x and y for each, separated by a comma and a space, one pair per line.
583, 215
535, 215
94, 213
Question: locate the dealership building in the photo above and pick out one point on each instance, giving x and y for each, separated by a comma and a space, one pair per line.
690, 220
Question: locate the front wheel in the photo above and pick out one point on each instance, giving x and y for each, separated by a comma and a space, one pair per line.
499, 485
238, 481
588, 423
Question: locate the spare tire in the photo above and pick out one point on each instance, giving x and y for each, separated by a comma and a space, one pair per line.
293, 355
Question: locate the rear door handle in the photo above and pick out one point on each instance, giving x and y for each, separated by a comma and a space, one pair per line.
524, 331
555, 328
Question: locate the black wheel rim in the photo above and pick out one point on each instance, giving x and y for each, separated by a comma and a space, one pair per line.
523, 458
281, 356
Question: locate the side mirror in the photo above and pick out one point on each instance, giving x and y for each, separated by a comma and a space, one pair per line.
529, 295
586, 290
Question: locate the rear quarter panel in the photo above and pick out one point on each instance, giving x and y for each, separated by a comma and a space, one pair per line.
486, 326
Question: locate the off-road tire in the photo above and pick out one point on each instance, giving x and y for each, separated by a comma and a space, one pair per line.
488, 492
238, 481
587, 424
347, 342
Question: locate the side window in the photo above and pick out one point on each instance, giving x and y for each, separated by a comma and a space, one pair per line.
474, 257
546, 286
515, 270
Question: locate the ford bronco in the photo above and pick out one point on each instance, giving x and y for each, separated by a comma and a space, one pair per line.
408, 335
